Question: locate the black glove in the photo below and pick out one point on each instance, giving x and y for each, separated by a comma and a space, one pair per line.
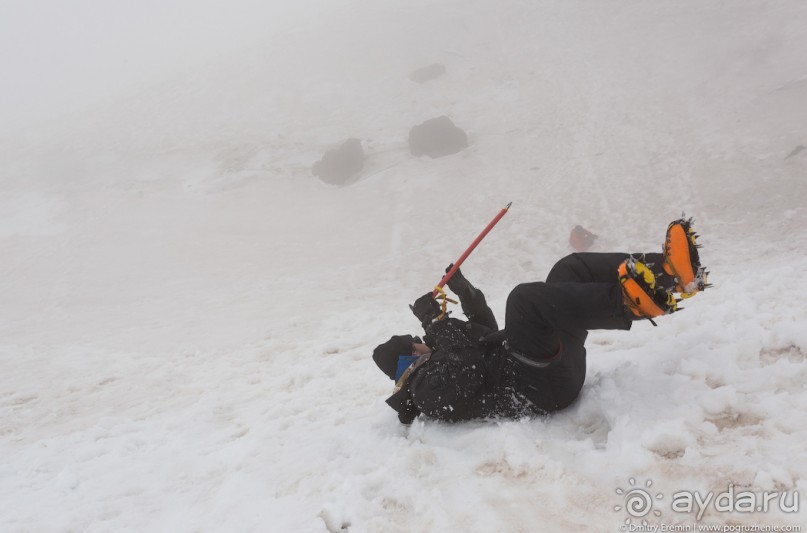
458, 284
426, 309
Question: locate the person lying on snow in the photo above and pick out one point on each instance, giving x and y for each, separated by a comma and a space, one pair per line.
463, 370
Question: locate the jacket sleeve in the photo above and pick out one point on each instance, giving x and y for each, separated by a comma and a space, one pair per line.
475, 307
448, 387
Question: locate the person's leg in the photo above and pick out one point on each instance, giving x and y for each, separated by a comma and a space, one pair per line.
535, 312
587, 267
556, 386
546, 327
592, 267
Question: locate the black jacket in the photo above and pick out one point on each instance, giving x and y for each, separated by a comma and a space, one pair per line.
468, 374
466, 377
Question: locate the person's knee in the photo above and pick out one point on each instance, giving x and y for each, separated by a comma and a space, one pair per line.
536, 300
566, 269
525, 295
528, 290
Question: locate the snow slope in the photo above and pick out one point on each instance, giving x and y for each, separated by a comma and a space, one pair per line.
188, 315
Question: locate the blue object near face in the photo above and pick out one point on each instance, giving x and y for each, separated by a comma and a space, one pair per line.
404, 362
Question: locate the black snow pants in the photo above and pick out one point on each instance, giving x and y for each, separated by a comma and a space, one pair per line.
546, 324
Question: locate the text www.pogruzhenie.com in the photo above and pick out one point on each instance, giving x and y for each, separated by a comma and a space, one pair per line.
724, 528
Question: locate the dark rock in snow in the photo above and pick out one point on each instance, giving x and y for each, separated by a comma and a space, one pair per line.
340, 164
424, 74
437, 137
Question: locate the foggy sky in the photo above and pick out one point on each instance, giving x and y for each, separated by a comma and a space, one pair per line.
57, 57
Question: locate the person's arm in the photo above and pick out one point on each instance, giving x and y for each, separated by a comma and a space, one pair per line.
473, 302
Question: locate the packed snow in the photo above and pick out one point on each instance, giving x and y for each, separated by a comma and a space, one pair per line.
187, 315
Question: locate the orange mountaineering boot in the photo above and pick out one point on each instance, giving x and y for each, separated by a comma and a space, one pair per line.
642, 296
681, 258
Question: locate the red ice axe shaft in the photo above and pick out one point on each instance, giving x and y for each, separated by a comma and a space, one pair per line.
470, 249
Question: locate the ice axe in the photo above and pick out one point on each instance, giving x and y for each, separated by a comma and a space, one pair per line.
439, 288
